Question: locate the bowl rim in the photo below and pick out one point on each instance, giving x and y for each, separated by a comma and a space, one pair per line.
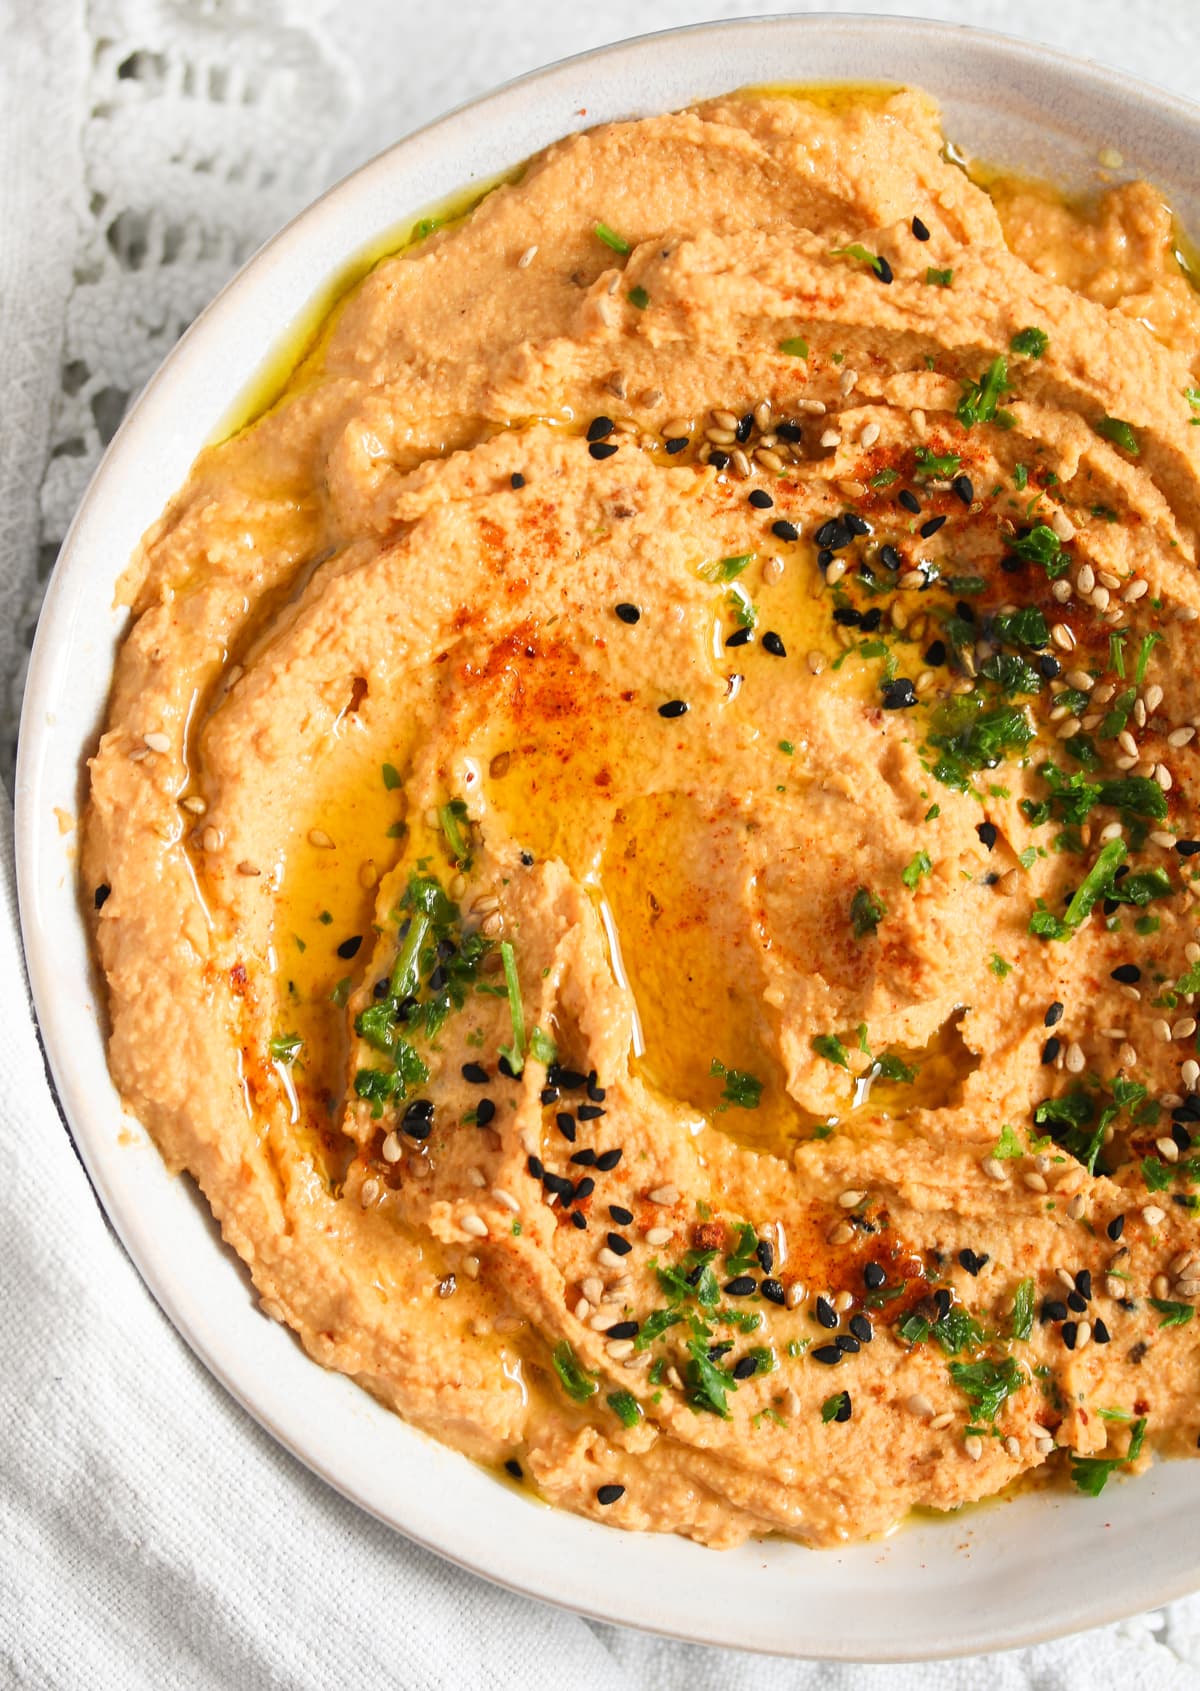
58, 620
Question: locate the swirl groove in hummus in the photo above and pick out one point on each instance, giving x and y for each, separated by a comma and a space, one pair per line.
644, 847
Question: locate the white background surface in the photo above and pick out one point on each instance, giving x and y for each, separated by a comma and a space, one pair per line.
141, 1545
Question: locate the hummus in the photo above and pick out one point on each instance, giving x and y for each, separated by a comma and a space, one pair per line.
644, 849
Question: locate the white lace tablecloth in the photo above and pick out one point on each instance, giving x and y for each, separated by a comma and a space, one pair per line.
150, 1534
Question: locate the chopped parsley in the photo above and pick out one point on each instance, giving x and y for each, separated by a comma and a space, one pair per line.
284, 1048
1173, 1314
988, 1384
625, 1407
980, 399
1090, 1473
1022, 1311
829, 1046
1029, 343
921, 865
795, 346
859, 252
938, 278
638, 297
1120, 433
578, 1384
866, 912
834, 1408
741, 1089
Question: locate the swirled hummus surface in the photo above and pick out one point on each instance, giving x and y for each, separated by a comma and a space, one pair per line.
644, 846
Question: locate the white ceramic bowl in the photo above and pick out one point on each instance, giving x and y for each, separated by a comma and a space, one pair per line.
985, 1579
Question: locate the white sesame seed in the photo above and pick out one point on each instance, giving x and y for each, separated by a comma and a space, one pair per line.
973, 1445
1184, 1028
1013, 1446
608, 1258
157, 741
319, 838
505, 1199
993, 1169
665, 1195
1076, 1061
842, 1301
473, 1224
527, 257
1180, 1261
1085, 579
1062, 525
1077, 1207
1159, 1286
795, 1294
582, 1310
1189, 1074
772, 570
1152, 1215
1136, 590
849, 380
1161, 1029
212, 839
370, 1193
1063, 637
941, 1421
1164, 777
1188, 1289
477, 1177
850, 1198
658, 1236
869, 435
1153, 696
813, 407
831, 437
1083, 1333
618, 1348
1035, 1182
919, 1404
841, 1234
393, 1150
1061, 591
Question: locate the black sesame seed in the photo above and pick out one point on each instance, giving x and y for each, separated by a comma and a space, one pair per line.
919, 229
833, 534
628, 613
620, 1214
622, 1330
565, 1123
616, 1242
882, 268
601, 449
590, 1112
718, 460
716, 1352
761, 499
1050, 1050
890, 558
935, 655
1070, 1332
963, 489
517, 479
740, 1286
873, 1276
773, 644
475, 1074
910, 502
789, 431
585, 1158
928, 529
534, 1165
856, 524
965, 609
744, 1367
1054, 1014
848, 1343
485, 1112
765, 1254
560, 1185
847, 617
973, 1261
513, 1468
1083, 1282
1187, 848
826, 1314
578, 1220
584, 1188
862, 1329
569, 1079
380, 989
673, 707
1048, 666
942, 1299
745, 428
594, 1091
739, 637
773, 1291
828, 1354
1115, 1227
844, 1409
899, 694
785, 530
608, 1160
600, 428
988, 834
1076, 1303
1053, 1309
349, 947
527, 859
438, 978
100, 894
506, 1068
1100, 1333
1128, 974
676, 443
610, 1494
549, 1094
871, 620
